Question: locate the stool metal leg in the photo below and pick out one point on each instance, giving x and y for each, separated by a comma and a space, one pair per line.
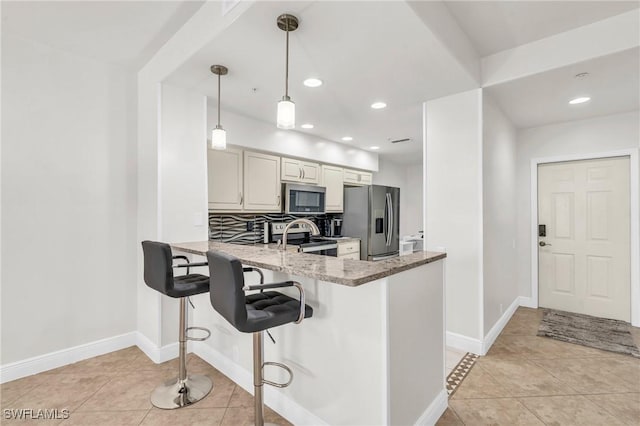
183, 390
258, 379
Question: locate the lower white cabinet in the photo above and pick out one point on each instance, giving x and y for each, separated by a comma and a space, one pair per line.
332, 180
225, 174
262, 188
349, 249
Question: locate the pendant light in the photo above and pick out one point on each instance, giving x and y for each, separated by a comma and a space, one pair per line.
286, 108
219, 135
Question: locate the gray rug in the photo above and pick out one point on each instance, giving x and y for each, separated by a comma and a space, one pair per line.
600, 333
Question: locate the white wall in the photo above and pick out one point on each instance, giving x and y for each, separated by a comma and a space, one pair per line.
68, 200
411, 203
261, 136
601, 134
407, 177
499, 212
453, 194
183, 181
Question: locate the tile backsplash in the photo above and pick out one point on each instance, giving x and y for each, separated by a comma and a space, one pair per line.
247, 228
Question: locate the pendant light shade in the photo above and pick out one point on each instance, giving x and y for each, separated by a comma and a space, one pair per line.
219, 138
286, 114
286, 118
219, 135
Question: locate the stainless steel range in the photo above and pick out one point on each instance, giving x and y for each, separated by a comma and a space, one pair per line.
300, 236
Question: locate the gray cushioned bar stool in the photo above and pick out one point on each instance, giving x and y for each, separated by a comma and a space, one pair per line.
158, 274
253, 313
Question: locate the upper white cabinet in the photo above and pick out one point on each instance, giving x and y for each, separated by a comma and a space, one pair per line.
300, 171
357, 178
225, 179
332, 179
262, 188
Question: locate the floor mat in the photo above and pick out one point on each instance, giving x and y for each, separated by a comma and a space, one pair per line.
599, 333
458, 374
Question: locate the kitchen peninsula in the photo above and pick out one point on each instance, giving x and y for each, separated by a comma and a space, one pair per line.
373, 353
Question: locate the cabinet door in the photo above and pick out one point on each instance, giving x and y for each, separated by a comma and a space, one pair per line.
357, 178
366, 178
224, 170
262, 189
332, 179
291, 170
310, 172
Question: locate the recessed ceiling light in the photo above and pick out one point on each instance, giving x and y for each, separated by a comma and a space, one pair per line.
579, 100
307, 126
374, 147
378, 105
312, 82
347, 138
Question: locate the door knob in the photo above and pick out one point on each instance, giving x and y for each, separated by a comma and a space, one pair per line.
542, 244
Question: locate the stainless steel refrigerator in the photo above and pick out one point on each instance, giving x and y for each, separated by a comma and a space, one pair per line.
372, 213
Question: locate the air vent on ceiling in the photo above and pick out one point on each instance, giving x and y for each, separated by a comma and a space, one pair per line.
400, 140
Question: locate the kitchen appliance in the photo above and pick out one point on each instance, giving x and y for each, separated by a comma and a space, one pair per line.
335, 229
324, 225
372, 213
304, 199
299, 235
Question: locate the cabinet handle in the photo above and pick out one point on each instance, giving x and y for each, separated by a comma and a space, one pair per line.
303, 174
278, 200
299, 173
241, 198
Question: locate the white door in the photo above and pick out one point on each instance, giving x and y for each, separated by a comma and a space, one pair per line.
583, 261
225, 179
262, 188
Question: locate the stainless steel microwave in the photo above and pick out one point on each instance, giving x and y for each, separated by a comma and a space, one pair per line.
304, 199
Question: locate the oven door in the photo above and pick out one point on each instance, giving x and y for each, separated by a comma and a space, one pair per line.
304, 199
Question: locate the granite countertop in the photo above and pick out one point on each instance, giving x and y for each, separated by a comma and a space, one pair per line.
347, 272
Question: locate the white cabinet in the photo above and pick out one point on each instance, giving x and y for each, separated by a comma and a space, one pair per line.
357, 178
300, 171
332, 179
262, 189
225, 176
349, 249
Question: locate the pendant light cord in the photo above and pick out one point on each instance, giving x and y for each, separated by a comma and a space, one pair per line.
286, 72
218, 100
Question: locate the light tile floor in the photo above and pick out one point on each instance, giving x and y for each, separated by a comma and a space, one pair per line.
114, 389
526, 379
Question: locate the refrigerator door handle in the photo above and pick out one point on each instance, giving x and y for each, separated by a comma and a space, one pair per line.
391, 219
389, 230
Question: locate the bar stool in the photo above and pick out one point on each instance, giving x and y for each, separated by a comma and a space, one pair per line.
253, 313
158, 274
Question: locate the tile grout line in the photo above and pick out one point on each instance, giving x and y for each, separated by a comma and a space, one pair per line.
145, 416
529, 410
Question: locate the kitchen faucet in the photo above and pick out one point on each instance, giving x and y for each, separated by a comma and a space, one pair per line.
314, 230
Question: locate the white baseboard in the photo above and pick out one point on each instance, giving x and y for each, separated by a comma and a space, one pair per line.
495, 331
528, 302
282, 404
463, 343
434, 410
38, 364
157, 354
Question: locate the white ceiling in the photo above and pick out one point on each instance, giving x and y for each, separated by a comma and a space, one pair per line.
363, 51
613, 85
122, 32
493, 26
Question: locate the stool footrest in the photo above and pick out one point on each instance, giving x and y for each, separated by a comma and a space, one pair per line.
199, 339
276, 384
